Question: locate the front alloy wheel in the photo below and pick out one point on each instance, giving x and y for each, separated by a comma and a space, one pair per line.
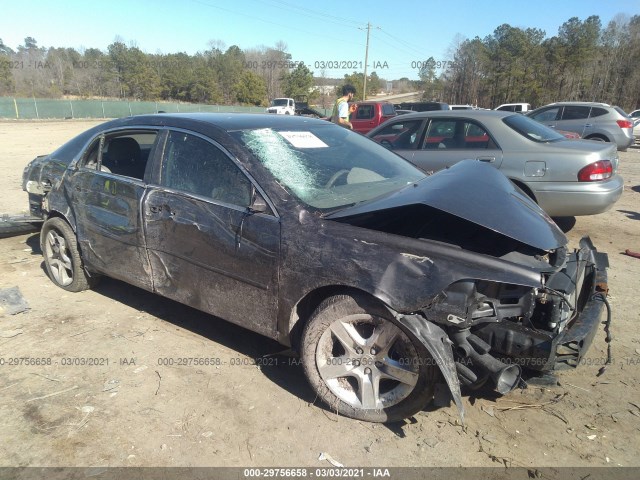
362, 364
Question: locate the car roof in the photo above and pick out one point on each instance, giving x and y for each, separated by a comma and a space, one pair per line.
224, 121
589, 104
459, 113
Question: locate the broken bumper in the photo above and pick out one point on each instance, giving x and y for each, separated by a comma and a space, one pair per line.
583, 282
572, 344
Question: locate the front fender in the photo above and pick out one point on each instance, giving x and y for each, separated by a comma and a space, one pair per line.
439, 346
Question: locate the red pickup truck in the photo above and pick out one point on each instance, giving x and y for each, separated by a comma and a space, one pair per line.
369, 115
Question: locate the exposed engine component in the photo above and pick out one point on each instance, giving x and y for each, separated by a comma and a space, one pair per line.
475, 365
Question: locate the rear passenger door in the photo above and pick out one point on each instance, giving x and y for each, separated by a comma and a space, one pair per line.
107, 188
449, 140
206, 248
575, 119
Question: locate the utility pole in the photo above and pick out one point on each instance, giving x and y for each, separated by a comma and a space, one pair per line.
366, 60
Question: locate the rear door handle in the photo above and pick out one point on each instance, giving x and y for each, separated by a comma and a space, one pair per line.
487, 159
588, 125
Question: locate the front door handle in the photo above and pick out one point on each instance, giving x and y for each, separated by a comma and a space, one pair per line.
487, 159
163, 210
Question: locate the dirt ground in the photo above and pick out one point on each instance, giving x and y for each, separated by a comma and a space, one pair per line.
133, 408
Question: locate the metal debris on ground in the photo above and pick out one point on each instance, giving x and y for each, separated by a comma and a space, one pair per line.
330, 459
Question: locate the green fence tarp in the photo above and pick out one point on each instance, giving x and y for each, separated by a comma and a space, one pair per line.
43, 108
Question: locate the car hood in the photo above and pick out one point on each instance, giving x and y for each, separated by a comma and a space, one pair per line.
478, 193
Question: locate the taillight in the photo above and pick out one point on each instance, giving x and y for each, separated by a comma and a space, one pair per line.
625, 123
600, 170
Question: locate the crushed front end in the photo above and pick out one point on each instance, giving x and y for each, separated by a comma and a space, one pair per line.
496, 329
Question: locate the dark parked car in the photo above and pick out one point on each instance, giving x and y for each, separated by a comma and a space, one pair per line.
385, 280
566, 178
422, 106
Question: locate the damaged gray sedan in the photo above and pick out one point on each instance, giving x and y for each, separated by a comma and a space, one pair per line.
385, 280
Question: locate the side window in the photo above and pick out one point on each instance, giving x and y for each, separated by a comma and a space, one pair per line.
547, 115
456, 134
196, 166
442, 134
399, 135
124, 153
476, 137
387, 109
365, 112
597, 112
575, 112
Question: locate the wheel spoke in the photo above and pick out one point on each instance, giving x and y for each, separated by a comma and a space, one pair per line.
369, 393
51, 238
63, 244
66, 261
335, 368
393, 370
347, 335
384, 337
60, 271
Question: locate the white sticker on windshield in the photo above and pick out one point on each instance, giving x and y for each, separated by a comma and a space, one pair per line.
303, 140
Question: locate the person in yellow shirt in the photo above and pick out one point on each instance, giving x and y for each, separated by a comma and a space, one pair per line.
341, 109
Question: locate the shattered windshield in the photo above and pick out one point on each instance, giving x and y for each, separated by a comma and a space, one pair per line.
328, 167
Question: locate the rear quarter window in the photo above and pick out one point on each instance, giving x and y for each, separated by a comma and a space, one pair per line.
388, 110
597, 112
575, 112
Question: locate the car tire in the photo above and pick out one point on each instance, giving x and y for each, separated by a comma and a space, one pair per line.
62, 257
350, 346
597, 138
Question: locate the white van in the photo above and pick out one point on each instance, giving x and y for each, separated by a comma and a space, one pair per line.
515, 107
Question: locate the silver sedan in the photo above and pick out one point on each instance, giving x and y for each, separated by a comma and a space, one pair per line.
565, 177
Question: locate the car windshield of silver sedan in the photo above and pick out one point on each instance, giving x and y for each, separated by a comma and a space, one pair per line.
532, 129
329, 167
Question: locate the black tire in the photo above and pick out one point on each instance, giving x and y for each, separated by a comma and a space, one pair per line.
367, 323
598, 138
62, 257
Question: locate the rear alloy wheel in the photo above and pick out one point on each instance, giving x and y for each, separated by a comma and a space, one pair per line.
62, 258
361, 364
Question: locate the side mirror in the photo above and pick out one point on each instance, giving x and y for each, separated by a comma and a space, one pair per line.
258, 205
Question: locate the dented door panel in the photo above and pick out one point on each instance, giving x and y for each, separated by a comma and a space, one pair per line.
107, 212
209, 255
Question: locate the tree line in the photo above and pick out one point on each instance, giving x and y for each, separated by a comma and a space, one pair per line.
219, 75
583, 62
